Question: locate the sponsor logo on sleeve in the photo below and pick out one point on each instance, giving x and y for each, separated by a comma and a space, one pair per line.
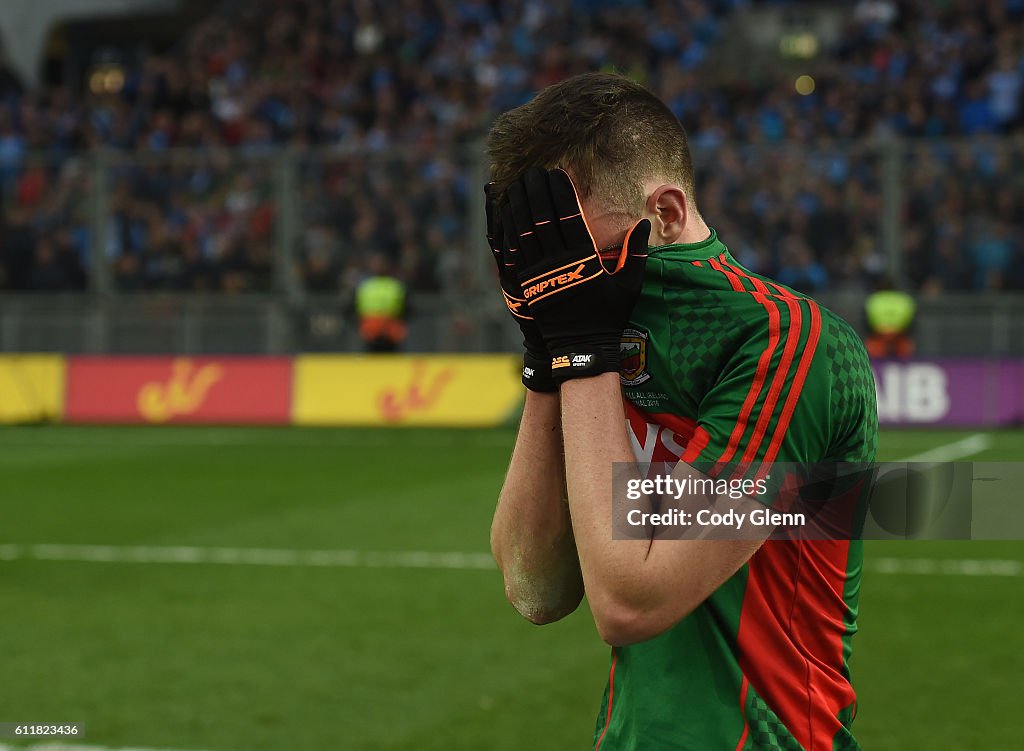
577, 362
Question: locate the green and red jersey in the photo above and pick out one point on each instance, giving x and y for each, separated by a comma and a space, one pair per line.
723, 365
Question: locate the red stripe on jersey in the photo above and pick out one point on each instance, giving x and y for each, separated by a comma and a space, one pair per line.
792, 339
760, 374
779, 289
788, 611
759, 285
611, 694
798, 384
734, 281
778, 381
802, 368
790, 638
744, 687
783, 292
699, 442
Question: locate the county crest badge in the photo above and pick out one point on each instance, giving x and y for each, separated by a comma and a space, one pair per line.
633, 357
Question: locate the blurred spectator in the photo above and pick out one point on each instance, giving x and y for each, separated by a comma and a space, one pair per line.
17, 247
991, 252
890, 318
50, 271
1006, 85
382, 307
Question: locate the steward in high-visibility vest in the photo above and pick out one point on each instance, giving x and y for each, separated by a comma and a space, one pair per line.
890, 316
381, 307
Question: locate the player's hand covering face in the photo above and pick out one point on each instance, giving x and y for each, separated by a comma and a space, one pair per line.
501, 238
580, 303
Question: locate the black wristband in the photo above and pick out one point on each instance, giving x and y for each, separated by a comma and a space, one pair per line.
537, 374
584, 360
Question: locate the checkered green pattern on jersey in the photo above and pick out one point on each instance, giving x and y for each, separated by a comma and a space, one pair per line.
707, 328
853, 391
844, 741
767, 733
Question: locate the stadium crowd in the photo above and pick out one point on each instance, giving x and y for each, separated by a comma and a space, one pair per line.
362, 115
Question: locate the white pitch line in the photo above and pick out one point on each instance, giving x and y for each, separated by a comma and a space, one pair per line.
950, 452
416, 559
949, 566
247, 556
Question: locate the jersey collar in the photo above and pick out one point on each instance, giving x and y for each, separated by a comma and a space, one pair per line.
701, 251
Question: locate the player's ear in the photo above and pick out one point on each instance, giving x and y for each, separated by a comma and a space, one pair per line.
666, 208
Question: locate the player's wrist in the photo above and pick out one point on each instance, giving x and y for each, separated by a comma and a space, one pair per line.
537, 371
584, 358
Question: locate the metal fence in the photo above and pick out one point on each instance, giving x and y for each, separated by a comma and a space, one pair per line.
259, 250
951, 325
223, 324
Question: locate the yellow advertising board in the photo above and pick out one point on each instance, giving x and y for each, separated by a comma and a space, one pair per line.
406, 390
31, 388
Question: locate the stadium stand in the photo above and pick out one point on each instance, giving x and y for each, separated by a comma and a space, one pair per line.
394, 95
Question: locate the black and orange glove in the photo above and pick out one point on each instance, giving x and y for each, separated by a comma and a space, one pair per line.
501, 238
580, 305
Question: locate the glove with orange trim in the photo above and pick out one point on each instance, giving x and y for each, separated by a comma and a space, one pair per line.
500, 236
580, 305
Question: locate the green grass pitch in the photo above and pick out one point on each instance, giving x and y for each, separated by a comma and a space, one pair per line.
296, 658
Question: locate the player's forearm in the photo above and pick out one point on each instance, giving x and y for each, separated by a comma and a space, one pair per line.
636, 588
615, 572
531, 535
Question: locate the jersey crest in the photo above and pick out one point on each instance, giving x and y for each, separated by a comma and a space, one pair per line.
633, 357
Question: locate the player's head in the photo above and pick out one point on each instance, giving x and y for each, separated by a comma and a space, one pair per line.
617, 140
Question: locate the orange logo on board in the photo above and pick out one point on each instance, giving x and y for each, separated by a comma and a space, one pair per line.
420, 394
181, 394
